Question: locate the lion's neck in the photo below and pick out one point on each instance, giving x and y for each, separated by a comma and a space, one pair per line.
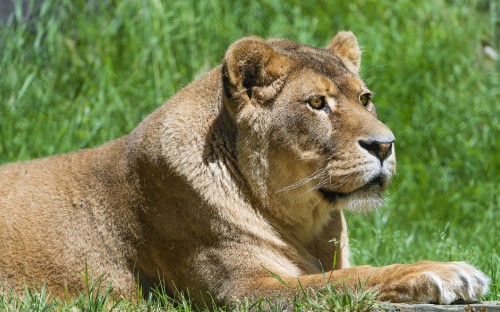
188, 146
304, 216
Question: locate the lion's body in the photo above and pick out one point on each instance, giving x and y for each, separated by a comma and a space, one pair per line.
203, 193
52, 221
96, 207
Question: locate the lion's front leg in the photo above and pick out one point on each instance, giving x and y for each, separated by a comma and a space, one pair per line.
432, 282
424, 282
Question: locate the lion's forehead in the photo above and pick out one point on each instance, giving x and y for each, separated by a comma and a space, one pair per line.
320, 60
323, 69
307, 82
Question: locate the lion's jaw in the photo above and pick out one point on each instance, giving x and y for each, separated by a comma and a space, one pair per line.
365, 192
305, 205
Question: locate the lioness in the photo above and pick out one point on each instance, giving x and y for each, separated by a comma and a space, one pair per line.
246, 170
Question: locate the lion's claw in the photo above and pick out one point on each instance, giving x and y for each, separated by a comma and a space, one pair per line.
435, 282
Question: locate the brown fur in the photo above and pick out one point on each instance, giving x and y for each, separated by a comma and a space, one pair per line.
236, 173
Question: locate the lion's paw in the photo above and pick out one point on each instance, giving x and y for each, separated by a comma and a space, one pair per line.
436, 282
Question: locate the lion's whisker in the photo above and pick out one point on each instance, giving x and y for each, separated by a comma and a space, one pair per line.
315, 175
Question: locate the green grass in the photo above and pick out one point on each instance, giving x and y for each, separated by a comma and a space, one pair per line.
77, 75
98, 297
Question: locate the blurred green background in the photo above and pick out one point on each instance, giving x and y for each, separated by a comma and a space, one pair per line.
76, 74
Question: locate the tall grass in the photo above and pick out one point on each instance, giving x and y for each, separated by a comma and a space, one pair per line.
80, 73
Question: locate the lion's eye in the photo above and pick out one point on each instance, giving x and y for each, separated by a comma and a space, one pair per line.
317, 102
365, 98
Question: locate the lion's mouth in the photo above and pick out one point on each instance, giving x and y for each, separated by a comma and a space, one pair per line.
334, 196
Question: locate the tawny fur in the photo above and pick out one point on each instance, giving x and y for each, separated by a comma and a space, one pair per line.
223, 182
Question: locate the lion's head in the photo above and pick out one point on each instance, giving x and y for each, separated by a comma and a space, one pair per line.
308, 135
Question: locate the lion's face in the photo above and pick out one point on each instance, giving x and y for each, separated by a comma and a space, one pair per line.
308, 135
325, 142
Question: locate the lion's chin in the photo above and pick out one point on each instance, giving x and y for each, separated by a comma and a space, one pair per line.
363, 199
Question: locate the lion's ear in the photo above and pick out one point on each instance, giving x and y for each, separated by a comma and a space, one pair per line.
252, 69
345, 45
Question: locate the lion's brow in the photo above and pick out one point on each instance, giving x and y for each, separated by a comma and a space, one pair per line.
325, 64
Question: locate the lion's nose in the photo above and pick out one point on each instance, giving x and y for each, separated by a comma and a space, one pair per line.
381, 150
